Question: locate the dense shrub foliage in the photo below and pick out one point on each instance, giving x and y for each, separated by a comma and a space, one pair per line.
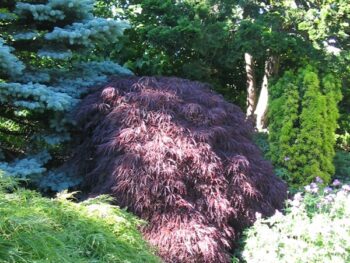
48, 59
187, 39
316, 228
303, 119
342, 165
178, 155
343, 141
37, 229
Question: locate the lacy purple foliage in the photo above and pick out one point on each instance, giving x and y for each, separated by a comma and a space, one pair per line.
176, 154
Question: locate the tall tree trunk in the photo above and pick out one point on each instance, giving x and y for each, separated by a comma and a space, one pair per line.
251, 85
271, 68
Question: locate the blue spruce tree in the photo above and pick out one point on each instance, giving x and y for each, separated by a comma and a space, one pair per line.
48, 59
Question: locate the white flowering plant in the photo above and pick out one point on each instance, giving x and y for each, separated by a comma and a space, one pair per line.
314, 228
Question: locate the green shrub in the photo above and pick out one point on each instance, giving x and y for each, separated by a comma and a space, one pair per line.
38, 229
342, 165
302, 122
315, 228
262, 141
343, 141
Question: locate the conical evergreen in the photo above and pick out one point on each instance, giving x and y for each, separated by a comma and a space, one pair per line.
303, 119
47, 59
283, 115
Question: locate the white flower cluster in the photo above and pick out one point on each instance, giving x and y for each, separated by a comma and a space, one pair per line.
56, 10
35, 96
10, 65
89, 32
55, 54
310, 232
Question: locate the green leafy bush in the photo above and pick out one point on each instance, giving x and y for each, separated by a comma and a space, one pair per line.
343, 141
342, 165
315, 228
302, 122
38, 229
262, 141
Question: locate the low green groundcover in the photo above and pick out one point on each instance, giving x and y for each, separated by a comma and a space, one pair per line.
38, 229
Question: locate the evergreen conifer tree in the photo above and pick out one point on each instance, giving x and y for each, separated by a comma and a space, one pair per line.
48, 56
309, 157
303, 119
283, 115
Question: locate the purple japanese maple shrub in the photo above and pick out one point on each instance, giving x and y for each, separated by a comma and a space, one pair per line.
179, 156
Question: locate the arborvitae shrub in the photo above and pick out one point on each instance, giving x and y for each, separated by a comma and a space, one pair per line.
176, 154
303, 118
